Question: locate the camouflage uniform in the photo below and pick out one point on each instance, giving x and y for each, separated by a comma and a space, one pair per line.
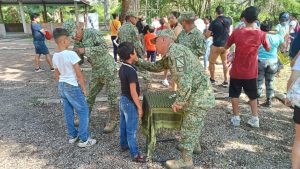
194, 39
194, 93
79, 45
129, 33
104, 69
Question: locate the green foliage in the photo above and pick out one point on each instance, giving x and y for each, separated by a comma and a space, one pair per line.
11, 14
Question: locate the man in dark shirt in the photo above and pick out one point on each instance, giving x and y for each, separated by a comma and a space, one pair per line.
295, 47
38, 34
220, 30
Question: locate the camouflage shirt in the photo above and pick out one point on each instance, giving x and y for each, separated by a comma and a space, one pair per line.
96, 50
129, 33
194, 40
194, 87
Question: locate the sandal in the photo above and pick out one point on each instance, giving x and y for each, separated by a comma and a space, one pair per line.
139, 159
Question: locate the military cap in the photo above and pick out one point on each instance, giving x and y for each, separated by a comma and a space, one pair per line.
131, 13
187, 15
166, 32
70, 26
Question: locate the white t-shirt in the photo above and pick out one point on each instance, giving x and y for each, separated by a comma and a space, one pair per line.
297, 64
64, 61
200, 25
282, 29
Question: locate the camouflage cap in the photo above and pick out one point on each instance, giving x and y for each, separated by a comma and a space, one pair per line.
166, 32
70, 26
131, 13
187, 15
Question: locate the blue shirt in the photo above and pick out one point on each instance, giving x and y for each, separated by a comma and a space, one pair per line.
275, 41
36, 33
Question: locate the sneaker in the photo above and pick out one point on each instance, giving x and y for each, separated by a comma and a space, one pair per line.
268, 103
254, 122
139, 159
236, 121
73, 140
52, 70
225, 84
212, 81
165, 83
89, 142
39, 70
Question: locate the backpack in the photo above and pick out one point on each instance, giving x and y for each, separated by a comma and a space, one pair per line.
225, 25
297, 28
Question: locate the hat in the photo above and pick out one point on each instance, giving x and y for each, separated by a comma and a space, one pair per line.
284, 16
166, 32
70, 26
187, 15
131, 13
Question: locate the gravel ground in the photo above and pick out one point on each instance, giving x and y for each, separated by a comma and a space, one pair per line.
33, 135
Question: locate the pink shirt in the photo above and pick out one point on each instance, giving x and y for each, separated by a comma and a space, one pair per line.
245, 63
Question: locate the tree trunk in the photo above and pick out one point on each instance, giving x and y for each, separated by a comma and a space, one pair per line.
125, 6
106, 13
134, 6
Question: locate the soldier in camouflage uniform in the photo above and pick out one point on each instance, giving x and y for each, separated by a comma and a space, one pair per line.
129, 33
190, 36
104, 69
194, 95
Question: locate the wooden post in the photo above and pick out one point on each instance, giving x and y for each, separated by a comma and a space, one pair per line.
1, 12
23, 16
61, 15
45, 12
76, 12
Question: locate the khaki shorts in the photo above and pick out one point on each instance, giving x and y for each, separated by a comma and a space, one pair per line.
215, 52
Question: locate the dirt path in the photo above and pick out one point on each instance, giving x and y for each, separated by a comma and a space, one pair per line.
33, 135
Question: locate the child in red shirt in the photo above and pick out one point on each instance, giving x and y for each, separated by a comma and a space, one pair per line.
150, 47
244, 70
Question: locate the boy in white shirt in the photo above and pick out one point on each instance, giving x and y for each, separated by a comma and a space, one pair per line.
67, 73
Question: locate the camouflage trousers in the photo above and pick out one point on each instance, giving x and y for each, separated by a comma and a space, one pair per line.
192, 124
96, 85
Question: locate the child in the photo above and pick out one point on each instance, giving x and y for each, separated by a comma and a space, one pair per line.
67, 72
38, 34
130, 106
150, 48
244, 71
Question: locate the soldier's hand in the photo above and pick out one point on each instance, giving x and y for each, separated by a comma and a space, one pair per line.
140, 112
80, 51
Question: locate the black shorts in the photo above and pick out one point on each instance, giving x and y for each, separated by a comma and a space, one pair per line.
296, 115
248, 85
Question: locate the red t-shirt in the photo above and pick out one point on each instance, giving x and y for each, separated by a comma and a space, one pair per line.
247, 42
148, 44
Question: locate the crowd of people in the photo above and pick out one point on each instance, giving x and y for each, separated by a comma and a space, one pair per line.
249, 56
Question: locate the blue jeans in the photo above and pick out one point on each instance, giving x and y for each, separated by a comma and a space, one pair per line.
208, 43
73, 99
151, 55
128, 125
